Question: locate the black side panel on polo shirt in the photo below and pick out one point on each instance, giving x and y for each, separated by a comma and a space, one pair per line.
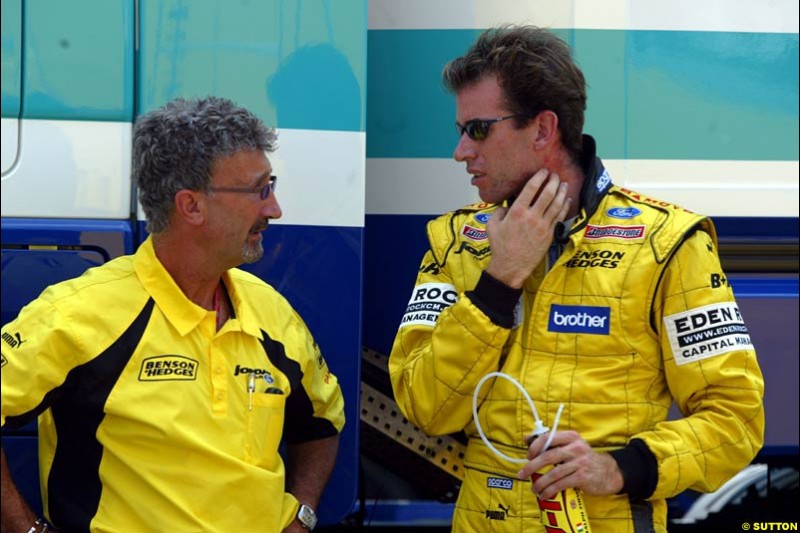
74, 486
299, 422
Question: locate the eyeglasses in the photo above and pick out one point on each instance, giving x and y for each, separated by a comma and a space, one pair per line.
477, 129
262, 192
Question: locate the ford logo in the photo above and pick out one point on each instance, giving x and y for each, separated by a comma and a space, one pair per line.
623, 212
483, 218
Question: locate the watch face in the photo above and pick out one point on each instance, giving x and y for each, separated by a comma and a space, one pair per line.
307, 516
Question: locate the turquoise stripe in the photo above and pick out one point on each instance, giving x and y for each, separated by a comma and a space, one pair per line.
705, 95
11, 69
78, 60
295, 64
410, 113
652, 94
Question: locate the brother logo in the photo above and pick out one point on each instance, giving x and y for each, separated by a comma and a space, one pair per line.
579, 319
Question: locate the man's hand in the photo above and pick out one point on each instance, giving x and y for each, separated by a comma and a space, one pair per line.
575, 465
521, 234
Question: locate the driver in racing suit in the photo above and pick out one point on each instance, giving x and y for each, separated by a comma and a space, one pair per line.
608, 301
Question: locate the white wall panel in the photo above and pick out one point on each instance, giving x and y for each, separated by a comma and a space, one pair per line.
715, 188
70, 169
778, 16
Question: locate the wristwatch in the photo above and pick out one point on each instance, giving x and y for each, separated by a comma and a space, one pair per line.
307, 517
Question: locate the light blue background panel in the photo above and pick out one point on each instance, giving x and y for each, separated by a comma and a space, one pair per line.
296, 65
651, 94
11, 53
77, 60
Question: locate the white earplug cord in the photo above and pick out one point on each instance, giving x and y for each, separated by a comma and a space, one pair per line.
538, 429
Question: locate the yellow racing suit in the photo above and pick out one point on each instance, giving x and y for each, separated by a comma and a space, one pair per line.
631, 312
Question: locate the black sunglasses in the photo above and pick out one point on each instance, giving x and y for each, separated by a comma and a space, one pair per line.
477, 129
263, 192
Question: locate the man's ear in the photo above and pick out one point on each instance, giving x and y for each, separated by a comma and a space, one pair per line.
547, 130
190, 206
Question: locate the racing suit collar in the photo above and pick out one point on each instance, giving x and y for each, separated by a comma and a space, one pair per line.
596, 184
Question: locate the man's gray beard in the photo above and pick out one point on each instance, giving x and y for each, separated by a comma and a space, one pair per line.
252, 253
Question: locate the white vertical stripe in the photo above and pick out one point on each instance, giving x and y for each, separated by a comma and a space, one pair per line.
8, 143
320, 177
776, 16
466, 14
716, 188
417, 186
70, 169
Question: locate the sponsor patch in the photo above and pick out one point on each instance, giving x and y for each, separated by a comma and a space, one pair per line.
500, 483
427, 302
706, 331
477, 252
623, 212
473, 234
257, 372
15, 340
483, 218
168, 368
431, 268
652, 201
603, 181
498, 515
587, 319
614, 232
719, 280
595, 259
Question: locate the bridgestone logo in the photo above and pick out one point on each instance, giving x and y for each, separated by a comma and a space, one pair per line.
614, 232
427, 302
706, 331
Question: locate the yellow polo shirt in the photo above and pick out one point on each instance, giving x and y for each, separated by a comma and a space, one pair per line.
148, 422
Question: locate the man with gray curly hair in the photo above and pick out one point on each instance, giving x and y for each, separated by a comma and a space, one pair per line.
166, 381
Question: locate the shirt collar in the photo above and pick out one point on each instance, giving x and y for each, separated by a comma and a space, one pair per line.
180, 311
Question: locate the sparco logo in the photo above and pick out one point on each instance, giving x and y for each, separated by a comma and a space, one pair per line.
595, 259
15, 340
614, 232
168, 368
603, 181
579, 319
500, 483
